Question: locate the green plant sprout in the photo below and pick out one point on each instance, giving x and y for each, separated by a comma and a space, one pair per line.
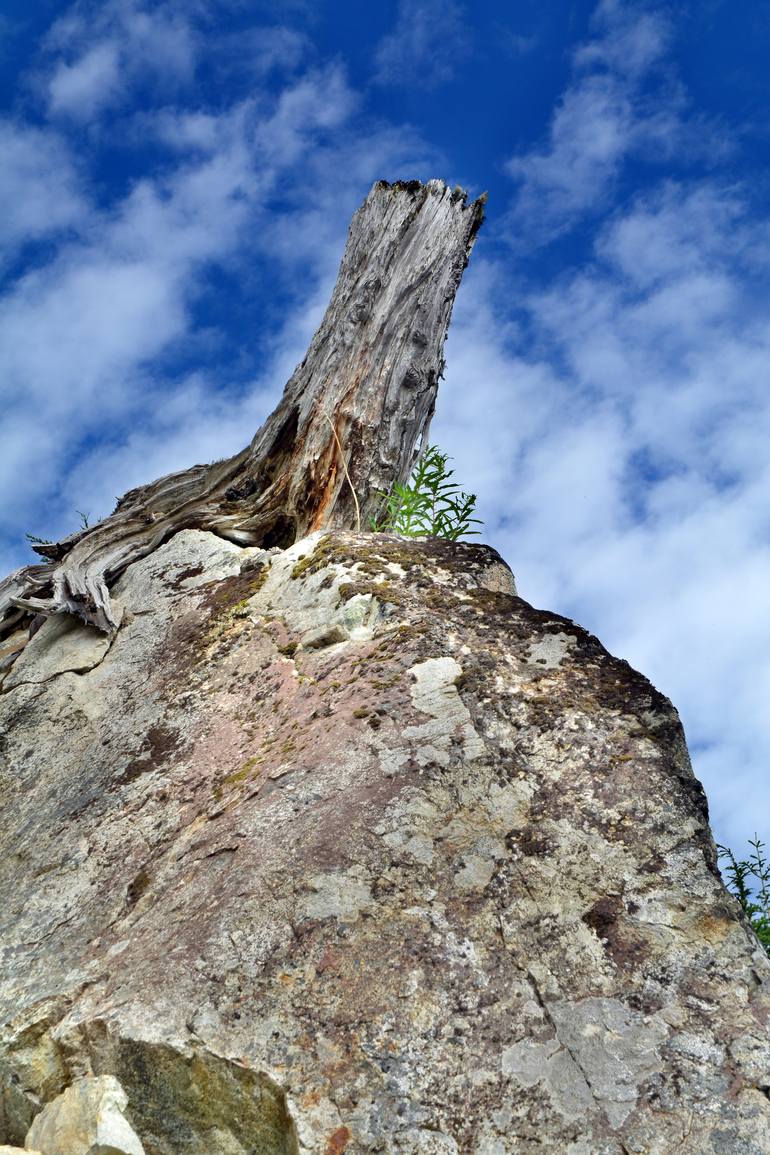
85, 523
429, 505
749, 880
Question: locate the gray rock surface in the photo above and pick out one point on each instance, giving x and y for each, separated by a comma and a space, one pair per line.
64, 645
346, 848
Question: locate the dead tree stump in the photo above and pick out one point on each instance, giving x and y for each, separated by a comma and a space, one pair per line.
346, 426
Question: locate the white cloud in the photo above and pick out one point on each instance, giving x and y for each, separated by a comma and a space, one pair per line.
40, 189
99, 51
320, 101
680, 231
628, 39
83, 88
160, 39
265, 49
621, 102
429, 39
590, 135
183, 131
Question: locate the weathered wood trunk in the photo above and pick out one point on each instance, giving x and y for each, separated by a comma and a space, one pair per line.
346, 427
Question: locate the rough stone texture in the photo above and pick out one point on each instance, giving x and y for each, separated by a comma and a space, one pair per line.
87, 1119
347, 848
10, 648
64, 645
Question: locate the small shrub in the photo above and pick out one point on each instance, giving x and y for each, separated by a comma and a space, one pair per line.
749, 880
85, 523
430, 504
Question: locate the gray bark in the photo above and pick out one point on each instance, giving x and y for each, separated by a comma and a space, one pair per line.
360, 401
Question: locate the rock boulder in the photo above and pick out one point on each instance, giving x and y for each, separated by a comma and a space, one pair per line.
347, 848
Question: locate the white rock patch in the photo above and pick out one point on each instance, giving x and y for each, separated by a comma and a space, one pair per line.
341, 896
551, 650
435, 693
86, 1119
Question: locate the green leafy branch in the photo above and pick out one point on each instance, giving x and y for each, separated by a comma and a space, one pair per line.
430, 504
85, 523
749, 880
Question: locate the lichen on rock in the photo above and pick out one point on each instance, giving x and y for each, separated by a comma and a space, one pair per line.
347, 848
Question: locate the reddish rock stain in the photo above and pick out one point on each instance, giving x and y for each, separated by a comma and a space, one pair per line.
338, 1141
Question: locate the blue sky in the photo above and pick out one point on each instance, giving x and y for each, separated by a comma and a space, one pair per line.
176, 184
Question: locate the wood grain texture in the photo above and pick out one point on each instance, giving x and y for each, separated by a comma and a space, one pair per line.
370, 376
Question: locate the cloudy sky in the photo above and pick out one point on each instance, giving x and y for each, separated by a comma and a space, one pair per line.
175, 186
